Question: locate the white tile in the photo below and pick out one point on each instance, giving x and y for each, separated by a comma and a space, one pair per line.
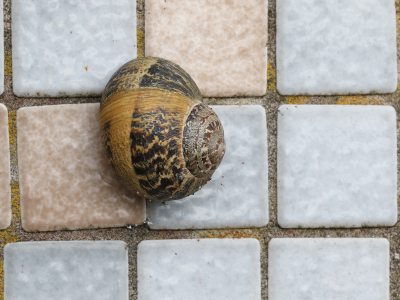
66, 270
5, 188
70, 48
1, 49
237, 195
222, 44
337, 166
335, 269
66, 181
330, 47
199, 269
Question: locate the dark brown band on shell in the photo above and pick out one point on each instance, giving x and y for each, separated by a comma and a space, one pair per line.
152, 72
203, 141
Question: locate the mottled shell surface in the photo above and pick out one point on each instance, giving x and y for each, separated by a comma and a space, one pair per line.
161, 140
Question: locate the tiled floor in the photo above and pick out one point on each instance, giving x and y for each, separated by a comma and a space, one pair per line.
66, 270
63, 181
66, 181
329, 47
328, 269
237, 196
69, 48
5, 189
337, 166
199, 269
215, 41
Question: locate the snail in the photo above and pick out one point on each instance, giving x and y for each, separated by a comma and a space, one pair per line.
159, 137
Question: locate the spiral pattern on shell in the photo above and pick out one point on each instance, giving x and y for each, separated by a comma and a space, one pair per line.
161, 140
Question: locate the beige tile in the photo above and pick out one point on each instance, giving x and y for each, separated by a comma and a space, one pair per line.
5, 189
222, 44
65, 179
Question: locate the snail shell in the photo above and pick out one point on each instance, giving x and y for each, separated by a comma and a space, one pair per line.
161, 140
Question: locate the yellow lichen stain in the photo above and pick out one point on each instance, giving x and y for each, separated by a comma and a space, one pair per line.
231, 233
271, 77
12, 128
358, 100
86, 68
8, 235
140, 43
296, 100
7, 62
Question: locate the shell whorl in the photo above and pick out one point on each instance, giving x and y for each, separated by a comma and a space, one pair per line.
203, 141
161, 140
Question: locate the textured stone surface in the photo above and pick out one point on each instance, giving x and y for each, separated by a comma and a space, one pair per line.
237, 196
333, 269
327, 47
66, 181
68, 48
66, 270
337, 166
5, 189
199, 269
215, 41
1, 50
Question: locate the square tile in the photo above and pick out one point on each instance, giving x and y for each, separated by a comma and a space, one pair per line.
5, 188
1, 49
70, 48
333, 269
337, 166
215, 41
66, 270
66, 181
237, 195
327, 47
199, 269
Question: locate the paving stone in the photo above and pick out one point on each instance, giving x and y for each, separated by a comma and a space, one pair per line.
237, 195
70, 48
337, 166
329, 47
215, 41
1, 50
66, 181
199, 269
333, 269
5, 188
66, 270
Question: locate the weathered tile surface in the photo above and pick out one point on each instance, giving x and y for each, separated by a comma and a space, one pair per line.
326, 47
221, 44
68, 48
5, 189
66, 270
66, 181
1, 50
328, 269
199, 269
237, 196
337, 166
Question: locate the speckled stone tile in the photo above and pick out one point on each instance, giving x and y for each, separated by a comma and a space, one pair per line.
335, 269
222, 44
1, 50
5, 188
66, 270
66, 181
70, 48
237, 195
337, 166
199, 269
326, 47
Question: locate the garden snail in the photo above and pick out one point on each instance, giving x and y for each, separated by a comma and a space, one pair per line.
161, 140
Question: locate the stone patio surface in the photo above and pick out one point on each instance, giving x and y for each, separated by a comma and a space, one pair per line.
270, 101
